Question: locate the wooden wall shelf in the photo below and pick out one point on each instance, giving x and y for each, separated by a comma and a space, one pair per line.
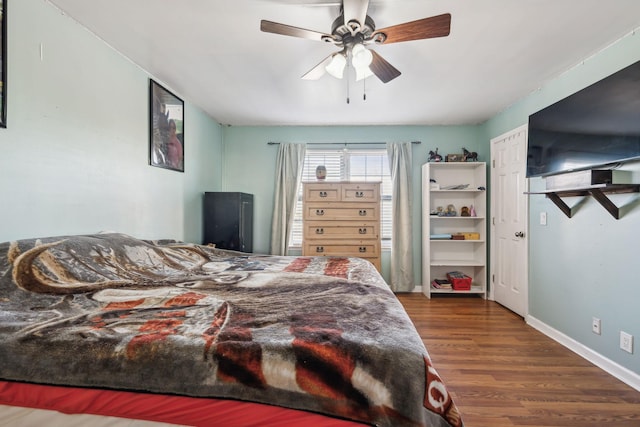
599, 192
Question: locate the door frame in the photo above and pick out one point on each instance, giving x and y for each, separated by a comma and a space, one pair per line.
492, 251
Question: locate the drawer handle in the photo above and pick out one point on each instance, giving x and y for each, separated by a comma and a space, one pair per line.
323, 194
319, 212
362, 212
319, 249
359, 194
319, 230
362, 249
362, 230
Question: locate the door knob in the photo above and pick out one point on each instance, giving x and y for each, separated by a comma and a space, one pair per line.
519, 234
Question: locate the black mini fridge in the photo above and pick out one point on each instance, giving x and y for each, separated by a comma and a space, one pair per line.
228, 220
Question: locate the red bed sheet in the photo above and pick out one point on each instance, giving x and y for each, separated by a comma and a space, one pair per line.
161, 408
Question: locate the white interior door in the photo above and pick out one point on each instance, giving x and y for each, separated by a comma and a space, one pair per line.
509, 212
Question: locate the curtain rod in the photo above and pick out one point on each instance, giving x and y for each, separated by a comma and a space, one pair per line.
344, 143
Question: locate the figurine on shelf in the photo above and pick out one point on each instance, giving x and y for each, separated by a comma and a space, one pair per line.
469, 156
464, 211
472, 211
451, 211
435, 157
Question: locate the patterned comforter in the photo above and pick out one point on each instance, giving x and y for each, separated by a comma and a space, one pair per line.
312, 333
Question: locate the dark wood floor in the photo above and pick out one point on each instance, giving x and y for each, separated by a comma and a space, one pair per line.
503, 373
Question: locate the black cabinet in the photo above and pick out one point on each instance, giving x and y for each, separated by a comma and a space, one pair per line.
228, 220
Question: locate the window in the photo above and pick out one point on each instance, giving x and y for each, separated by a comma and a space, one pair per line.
369, 165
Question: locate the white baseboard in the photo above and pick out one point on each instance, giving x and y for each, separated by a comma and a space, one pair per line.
620, 372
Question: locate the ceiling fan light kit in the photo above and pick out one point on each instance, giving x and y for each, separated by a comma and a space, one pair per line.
336, 66
361, 56
352, 31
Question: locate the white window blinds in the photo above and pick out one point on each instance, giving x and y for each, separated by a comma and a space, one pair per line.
367, 165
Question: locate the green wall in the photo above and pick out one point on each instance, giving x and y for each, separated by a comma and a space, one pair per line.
583, 267
75, 152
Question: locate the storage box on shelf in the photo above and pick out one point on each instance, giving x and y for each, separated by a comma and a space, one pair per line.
451, 242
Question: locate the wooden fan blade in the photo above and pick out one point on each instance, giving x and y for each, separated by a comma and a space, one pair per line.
355, 10
288, 30
382, 69
427, 28
319, 70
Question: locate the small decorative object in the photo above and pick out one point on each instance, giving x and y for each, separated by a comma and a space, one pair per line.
166, 129
435, 157
469, 156
455, 187
464, 211
433, 184
321, 173
472, 211
440, 211
454, 157
451, 211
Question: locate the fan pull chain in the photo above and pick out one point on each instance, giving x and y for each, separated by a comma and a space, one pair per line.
364, 89
348, 78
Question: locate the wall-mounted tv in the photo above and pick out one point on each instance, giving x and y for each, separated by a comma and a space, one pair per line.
597, 126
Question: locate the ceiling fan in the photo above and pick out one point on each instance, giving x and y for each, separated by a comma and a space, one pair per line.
352, 31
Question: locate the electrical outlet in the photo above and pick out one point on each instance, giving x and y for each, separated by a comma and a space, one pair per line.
595, 325
626, 342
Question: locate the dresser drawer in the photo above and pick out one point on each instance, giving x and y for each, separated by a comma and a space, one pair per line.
360, 192
341, 211
362, 249
322, 192
344, 230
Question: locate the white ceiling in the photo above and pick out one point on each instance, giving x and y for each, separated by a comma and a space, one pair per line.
213, 54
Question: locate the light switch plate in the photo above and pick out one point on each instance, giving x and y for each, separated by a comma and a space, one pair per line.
543, 218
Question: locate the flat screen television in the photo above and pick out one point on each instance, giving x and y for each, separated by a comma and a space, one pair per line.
598, 126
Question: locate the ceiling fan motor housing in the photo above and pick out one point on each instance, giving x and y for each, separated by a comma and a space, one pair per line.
348, 35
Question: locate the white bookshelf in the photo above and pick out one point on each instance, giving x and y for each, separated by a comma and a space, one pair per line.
440, 256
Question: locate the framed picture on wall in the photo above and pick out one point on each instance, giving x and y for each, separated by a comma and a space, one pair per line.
166, 128
3, 64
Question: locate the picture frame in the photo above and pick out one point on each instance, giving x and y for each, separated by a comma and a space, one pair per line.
454, 158
3, 63
166, 128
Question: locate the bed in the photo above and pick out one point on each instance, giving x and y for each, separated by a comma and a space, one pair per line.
186, 334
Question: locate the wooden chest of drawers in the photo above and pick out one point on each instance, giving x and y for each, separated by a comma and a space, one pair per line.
342, 219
